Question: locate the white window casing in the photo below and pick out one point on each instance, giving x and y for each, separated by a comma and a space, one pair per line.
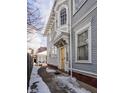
63, 16
83, 29
60, 8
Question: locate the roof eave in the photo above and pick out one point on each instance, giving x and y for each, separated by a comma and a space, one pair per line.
49, 20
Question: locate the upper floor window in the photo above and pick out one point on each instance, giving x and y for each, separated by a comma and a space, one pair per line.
77, 4
63, 16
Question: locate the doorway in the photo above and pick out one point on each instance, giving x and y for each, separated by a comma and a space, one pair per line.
62, 58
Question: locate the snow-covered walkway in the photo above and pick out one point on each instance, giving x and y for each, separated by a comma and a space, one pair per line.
60, 83
36, 84
70, 84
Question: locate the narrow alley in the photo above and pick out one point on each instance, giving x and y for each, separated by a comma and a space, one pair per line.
50, 80
62, 46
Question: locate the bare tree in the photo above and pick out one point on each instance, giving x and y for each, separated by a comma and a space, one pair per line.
31, 30
34, 20
33, 16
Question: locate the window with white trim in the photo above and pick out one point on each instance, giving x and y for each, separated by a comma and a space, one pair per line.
63, 16
53, 51
83, 44
77, 4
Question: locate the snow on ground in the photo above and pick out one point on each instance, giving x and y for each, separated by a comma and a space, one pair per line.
36, 84
50, 70
70, 84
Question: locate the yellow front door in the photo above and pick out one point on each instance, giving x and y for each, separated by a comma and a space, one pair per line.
62, 58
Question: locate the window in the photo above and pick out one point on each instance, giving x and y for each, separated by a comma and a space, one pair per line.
63, 16
53, 51
83, 44
82, 49
77, 4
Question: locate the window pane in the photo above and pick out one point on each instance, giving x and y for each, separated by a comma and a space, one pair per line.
82, 38
82, 49
83, 52
63, 16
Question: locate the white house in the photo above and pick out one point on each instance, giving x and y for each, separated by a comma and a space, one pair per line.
57, 31
42, 56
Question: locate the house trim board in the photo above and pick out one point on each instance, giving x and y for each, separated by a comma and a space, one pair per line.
86, 79
87, 73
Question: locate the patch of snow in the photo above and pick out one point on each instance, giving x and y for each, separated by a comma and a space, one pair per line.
50, 70
70, 84
37, 85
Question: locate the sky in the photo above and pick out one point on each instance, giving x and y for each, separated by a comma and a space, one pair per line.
45, 8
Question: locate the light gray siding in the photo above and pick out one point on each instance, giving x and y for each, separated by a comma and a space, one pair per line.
82, 11
51, 60
92, 17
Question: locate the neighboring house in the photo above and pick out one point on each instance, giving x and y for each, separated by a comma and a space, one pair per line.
72, 26
57, 31
42, 57
41, 54
41, 49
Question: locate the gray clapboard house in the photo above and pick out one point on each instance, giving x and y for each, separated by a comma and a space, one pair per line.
72, 38
84, 40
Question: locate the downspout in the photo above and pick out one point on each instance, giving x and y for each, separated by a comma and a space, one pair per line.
70, 39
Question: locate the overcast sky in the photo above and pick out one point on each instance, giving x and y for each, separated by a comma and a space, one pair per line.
45, 8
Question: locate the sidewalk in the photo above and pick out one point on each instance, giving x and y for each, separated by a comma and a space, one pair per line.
52, 77
49, 79
36, 84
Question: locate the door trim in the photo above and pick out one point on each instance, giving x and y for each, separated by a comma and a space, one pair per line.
62, 68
